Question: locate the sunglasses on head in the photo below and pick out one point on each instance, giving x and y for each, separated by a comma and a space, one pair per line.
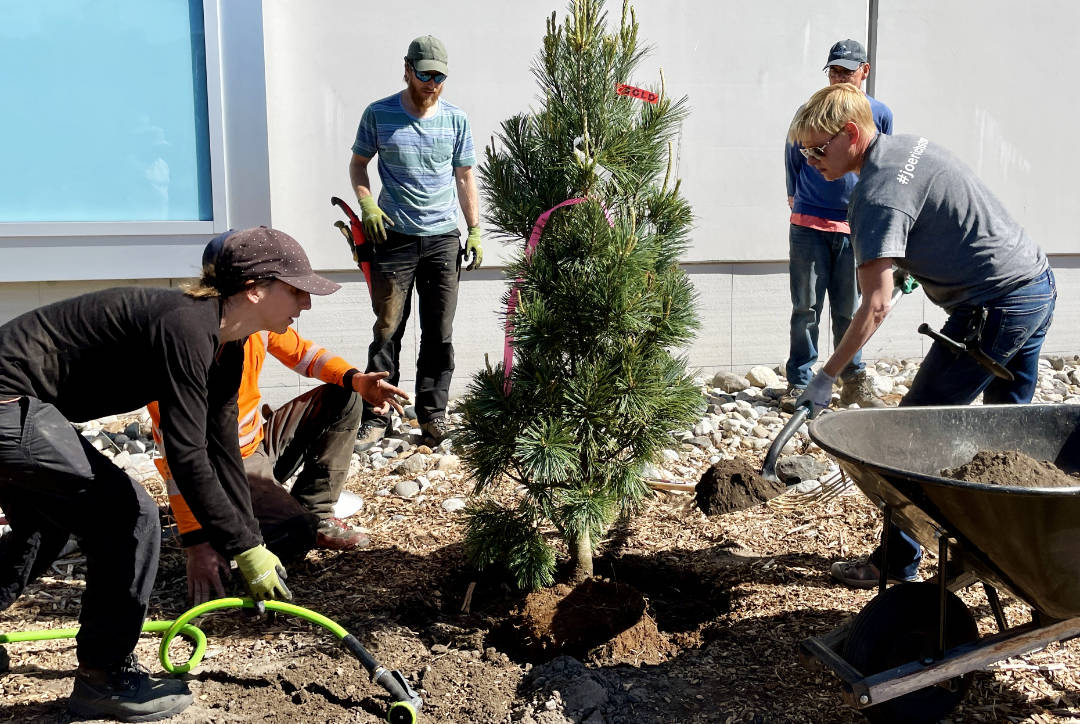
818, 152
424, 76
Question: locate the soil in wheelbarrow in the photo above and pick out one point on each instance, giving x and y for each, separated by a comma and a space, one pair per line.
732, 485
1011, 467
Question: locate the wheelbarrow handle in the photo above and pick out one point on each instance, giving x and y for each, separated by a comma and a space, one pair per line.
768, 468
984, 360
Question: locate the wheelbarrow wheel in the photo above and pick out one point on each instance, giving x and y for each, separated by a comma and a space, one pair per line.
901, 626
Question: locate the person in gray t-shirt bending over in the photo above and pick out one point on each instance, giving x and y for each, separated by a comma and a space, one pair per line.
918, 208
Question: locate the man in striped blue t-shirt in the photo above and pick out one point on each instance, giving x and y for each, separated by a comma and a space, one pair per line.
425, 150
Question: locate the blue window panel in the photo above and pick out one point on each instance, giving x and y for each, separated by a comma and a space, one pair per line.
104, 111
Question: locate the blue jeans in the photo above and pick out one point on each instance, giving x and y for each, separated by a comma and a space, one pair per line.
1013, 335
431, 265
820, 263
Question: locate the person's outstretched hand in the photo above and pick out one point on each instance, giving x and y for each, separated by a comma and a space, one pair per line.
379, 393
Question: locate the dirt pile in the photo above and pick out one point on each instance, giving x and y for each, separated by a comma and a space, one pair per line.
597, 620
732, 485
1011, 467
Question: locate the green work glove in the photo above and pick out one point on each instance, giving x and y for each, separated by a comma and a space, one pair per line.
263, 572
473, 248
374, 220
904, 281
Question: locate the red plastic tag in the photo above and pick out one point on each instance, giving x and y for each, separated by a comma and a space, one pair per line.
640, 93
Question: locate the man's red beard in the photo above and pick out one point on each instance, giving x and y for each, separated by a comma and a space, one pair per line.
423, 100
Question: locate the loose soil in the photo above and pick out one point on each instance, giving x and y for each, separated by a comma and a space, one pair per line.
597, 620
732, 485
1011, 467
731, 595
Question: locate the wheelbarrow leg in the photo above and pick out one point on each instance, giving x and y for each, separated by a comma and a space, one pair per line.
995, 606
886, 530
943, 591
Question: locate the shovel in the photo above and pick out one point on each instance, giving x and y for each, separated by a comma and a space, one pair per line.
768, 468
904, 285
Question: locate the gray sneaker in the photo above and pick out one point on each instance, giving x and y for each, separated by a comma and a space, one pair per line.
126, 693
861, 573
859, 390
436, 430
369, 434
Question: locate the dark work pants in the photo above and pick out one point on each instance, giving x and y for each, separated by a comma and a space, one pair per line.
54, 483
316, 430
431, 265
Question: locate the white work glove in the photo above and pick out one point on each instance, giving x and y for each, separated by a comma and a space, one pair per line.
818, 394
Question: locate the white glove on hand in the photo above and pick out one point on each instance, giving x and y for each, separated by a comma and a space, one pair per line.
818, 394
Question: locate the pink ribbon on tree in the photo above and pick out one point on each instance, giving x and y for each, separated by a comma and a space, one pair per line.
512, 303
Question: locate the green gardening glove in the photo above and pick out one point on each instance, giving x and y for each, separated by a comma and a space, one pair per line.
904, 281
374, 218
263, 572
473, 248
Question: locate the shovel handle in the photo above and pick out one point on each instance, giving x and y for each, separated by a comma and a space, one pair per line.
768, 468
937, 336
987, 363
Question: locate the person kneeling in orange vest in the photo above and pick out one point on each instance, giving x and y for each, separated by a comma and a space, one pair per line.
316, 430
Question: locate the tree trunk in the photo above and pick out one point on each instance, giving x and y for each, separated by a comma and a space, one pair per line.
582, 552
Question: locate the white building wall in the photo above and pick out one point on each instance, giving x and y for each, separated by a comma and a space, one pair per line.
978, 77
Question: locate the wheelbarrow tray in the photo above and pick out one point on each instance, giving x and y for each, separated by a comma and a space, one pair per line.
1023, 540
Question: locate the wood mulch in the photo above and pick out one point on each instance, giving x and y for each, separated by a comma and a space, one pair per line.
734, 594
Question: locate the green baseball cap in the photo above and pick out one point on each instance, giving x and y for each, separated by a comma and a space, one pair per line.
427, 53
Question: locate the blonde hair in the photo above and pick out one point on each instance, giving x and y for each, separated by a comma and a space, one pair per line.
205, 286
829, 110
198, 288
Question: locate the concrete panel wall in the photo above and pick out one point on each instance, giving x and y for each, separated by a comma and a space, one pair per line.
745, 68
983, 78
298, 75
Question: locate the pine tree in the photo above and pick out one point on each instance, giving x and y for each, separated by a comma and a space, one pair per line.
595, 389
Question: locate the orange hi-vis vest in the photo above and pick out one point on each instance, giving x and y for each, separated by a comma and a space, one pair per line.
298, 354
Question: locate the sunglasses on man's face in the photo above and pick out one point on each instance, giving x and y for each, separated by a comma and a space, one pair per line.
818, 152
840, 71
425, 76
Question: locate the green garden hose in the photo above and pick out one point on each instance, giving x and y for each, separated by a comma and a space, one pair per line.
402, 710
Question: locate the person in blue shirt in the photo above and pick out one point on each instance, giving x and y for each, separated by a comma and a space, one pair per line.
820, 258
425, 150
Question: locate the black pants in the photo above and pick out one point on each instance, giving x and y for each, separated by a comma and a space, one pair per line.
431, 264
53, 484
316, 430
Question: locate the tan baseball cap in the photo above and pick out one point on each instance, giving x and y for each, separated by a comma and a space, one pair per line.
427, 53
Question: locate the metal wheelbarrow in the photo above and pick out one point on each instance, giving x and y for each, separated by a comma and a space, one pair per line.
907, 656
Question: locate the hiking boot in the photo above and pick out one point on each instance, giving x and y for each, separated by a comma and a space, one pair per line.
862, 573
336, 534
787, 402
369, 434
126, 693
436, 430
859, 390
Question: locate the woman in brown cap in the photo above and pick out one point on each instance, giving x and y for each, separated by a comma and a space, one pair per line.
183, 349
